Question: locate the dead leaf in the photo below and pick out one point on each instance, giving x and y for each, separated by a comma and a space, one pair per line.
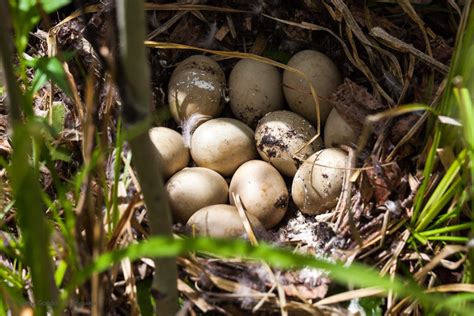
353, 102
384, 179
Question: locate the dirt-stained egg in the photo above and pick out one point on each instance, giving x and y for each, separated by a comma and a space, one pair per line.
338, 132
262, 191
279, 135
255, 89
318, 182
197, 87
325, 77
223, 144
170, 145
194, 188
221, 221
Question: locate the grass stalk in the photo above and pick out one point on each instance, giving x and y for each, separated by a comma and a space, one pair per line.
131, 22
26, 188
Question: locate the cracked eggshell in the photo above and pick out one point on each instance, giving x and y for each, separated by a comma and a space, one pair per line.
324, 76
221, 221
170, 145
194, 188
279, 135
262, 191
318, 182
338, 132
196, 86
255, 89
223, 144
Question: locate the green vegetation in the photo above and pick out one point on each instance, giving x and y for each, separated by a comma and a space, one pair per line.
57, 271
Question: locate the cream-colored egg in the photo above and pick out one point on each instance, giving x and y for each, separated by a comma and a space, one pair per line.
221, 221
196, 87
194, 188
169, 144
223, 144
318, 182
324, 76
338, 132
262, 191
255, 89
279, 135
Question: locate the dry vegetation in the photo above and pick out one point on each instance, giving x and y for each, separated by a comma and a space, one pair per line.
389, 54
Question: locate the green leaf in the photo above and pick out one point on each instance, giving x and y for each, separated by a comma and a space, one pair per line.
59, 153
26, 15
35, 229
52, 68
57, 117
13, 296
39, 80
50, 6
144, 298
158, 246
455, 300
278, 55
60, 272
444, 191
372, 305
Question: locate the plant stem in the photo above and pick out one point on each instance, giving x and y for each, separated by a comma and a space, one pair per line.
24, 180
6, 53
131, 23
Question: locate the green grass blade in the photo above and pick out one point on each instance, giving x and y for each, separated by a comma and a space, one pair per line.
453, 211
444, 190
459, 239
355, 274
448, 229
14, 280
455, 301
427, 171
35, 231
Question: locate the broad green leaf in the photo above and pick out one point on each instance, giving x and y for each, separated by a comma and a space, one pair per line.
52, 68
58, 115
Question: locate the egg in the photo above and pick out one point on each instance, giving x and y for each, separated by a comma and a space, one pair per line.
254, 90
221, 221
223, 144
262, 191
338, 132
194, 188
323, 74
172, 151
318, 182
279, 135
197, 87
